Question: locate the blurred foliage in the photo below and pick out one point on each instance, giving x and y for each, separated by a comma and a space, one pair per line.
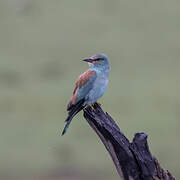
42, 43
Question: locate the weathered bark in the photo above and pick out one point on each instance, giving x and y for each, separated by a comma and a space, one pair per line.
133, 161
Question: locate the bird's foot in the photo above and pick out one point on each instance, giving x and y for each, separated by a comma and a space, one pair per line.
98, 104
91, 106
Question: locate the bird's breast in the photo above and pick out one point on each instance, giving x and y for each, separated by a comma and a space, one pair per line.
101, 81
99, 88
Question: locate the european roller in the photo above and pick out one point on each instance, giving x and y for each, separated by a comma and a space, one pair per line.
90, 86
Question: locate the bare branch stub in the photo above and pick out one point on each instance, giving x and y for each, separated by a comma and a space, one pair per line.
133, 161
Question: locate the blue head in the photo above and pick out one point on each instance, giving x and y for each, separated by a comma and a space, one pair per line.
98, 61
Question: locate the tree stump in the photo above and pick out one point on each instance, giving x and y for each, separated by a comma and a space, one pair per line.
133, 160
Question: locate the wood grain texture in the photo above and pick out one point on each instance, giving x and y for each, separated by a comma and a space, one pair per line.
133, 160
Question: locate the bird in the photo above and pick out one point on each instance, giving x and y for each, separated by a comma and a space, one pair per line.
89, 87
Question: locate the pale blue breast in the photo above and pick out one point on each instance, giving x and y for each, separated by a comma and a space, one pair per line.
99, 88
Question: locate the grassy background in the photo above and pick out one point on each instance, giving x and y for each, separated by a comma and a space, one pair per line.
42, 43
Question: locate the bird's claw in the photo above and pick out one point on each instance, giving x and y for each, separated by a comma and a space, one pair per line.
98, 104
91, 106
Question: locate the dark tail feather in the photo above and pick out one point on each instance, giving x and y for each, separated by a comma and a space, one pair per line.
72, 112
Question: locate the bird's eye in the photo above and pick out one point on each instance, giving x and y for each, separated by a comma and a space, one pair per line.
98, 59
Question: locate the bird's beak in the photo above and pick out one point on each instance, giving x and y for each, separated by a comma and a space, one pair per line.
88, 60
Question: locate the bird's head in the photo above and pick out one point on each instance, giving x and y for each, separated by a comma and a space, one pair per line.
98, 60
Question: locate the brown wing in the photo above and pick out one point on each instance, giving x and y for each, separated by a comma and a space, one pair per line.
81, 81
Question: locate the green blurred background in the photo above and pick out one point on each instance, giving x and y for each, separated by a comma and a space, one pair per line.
42, 43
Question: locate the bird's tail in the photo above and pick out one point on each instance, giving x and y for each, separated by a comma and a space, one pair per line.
73, 110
